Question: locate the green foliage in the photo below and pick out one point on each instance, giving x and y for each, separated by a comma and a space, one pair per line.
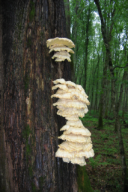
95, 162
113, 161
90, 58
110, 151
104, 136
105, 165
32, 11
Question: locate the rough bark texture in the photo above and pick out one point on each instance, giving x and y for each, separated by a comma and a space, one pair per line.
2, 151
121, 144
30, 124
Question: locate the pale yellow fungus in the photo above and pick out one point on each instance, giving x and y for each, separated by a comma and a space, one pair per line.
72, 104
62, 55
62, 81
62, 48
60, 41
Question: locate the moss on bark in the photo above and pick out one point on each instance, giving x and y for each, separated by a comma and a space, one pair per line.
83, 180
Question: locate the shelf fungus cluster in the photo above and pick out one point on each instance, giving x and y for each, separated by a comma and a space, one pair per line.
61, 47
72, 104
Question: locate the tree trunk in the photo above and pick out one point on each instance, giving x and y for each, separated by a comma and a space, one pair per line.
86, 46
121, 145
2, 151
122, 156
102, 97
106, 34
29, 134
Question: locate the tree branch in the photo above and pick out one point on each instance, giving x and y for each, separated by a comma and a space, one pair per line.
112, 22
103, 27
120, 67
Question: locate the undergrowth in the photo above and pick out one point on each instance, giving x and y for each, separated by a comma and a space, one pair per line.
104, 169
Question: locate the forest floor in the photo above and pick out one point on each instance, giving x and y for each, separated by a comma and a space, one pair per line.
104, 169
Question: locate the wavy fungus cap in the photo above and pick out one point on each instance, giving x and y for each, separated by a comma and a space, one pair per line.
60, 48
59, 42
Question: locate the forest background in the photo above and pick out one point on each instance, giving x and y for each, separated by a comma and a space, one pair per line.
29, 126
99, 30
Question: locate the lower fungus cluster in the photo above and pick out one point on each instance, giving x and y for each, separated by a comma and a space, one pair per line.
72, 104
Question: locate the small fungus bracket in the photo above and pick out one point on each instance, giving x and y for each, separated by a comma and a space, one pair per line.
61, 47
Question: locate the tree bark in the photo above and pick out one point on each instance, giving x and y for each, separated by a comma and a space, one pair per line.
2, 151
102, 96
30, 126
86, 46
121, 144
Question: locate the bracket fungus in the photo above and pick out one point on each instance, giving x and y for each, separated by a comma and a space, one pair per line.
62, 48
72, 104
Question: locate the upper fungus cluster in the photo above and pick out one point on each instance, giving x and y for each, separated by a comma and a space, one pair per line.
72, 104
62, 48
